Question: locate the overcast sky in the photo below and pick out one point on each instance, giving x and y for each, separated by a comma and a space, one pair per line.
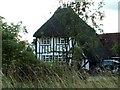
34, 13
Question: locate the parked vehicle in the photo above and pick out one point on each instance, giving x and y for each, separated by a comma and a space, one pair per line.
112, 65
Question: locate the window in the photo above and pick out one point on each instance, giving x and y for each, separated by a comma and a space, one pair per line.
50, 57
47, 57
45, 40
43, 57
61, 40
56, 57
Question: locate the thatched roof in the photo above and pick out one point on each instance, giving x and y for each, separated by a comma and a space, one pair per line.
53, 27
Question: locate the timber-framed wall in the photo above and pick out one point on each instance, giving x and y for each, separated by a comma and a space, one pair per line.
52, 48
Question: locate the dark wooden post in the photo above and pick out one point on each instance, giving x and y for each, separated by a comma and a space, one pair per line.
53, 48
39, 48
72, 48
66, 53
36, 47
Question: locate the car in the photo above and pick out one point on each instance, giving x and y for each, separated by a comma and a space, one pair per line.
112, 65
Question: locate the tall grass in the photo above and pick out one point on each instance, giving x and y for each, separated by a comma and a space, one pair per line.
56, 75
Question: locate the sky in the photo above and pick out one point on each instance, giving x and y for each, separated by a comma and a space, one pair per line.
34, 13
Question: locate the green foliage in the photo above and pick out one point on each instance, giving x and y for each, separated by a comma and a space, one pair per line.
82, 35
56, 75
116, 49
14, 51
85, 12
84, 9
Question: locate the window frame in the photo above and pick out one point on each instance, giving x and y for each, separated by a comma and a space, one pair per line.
62, 40
45, 41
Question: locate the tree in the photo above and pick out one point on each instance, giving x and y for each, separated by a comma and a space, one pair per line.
14, 51
84, 39
116, 49
85, 12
